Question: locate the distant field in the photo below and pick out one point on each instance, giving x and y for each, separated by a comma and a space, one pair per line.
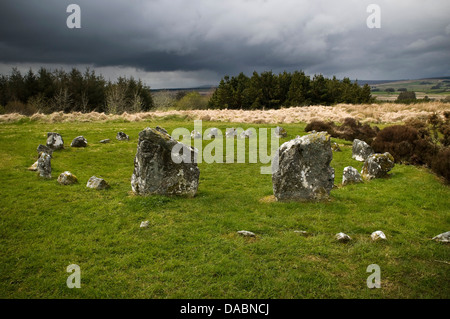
433, 88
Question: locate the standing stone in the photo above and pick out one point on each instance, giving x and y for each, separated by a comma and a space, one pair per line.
444, 237
377, 166
79, 141
155, 172
361, 150
97, 183
280, 132
301, 168
351, 175
121, 136
55, 141
44, 166
196, 135
42, 148
67, 178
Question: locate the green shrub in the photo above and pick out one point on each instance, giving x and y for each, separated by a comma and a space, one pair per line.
406, 96
192, 101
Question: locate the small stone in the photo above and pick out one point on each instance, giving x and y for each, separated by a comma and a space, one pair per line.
79, 141
121, 136
44, 166
301, 232
246, 233
335, 147
231, 133
246, 134
443, 238
377, 166
144, 224
67, 178
343, 238
105, 141
97, 183
55, 141
196, 135
351, 175
280, 132
33, 167
361, 150
378, 235
214, 132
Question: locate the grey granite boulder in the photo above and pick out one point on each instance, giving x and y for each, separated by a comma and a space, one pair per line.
378, 235
55, 141
343, 238
79, 141
164, 166
67, 178
44, 166
351, 176
97, 183
301, 168
121, 136
444, 237
105, 141
377, 166
361, 150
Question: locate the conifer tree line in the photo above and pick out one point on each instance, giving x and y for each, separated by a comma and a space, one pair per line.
268, 90
49, 91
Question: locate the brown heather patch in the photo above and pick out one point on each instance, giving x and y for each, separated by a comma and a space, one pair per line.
366, 113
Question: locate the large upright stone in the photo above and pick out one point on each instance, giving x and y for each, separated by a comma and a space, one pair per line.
55, 141
361, 150
155, 172
79, 141
377, 166
301, 168
42, 148
351, 176
44, 166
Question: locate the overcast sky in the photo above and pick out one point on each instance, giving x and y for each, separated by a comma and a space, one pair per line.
186, 43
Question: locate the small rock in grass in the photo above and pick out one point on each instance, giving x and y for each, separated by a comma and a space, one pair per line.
97, 183
105, 141
280, 132
231, 133
79, 141
55, 141
378, 235
443, 238
335, 147
301, 232
246, 233
67, 178
144, 224
343, 238
33, 167
121, 136
196, 135
351, 175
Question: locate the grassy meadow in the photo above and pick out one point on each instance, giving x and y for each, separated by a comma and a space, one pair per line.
191, 248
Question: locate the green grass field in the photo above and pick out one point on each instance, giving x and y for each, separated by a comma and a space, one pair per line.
191, 248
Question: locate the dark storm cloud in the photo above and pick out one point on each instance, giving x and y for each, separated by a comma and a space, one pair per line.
227, 37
